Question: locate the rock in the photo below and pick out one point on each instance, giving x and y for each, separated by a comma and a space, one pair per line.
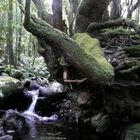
6, 137
131, 132
12, 120
101, 122
83, 98
16, 74
1, 131
52, 89
11, 94
8, 85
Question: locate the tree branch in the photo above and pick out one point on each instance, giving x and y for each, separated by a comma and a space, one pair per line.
93, 27
21, 6
135, 6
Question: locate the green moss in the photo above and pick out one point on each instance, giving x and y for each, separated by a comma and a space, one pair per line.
133, 50
131, 132
8, 85
119, 31
7, 79
91, 47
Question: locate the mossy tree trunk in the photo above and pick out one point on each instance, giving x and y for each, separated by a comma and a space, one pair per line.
89, 11
65, 47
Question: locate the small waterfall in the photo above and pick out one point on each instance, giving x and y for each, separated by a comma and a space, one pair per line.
34, 95
30, 112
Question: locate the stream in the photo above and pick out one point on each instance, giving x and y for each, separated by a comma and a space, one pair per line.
49, 128
53, 132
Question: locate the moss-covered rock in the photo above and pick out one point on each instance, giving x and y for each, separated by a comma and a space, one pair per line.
101, 122
8, 85
131, 132
103, 70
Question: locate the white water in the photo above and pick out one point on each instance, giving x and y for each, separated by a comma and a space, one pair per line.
30, 112
34, 95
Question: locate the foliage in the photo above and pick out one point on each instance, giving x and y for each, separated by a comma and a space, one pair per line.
37, 69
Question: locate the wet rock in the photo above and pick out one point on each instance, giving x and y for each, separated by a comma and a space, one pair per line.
52, 89
6, 137
30, 84
1, 131
12, 120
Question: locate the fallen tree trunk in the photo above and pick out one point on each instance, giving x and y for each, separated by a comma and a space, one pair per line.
90, 66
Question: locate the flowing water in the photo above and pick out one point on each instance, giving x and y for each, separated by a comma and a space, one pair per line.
30, 112
41, 129
31, 109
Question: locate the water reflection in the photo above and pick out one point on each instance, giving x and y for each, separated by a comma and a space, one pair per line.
54, 132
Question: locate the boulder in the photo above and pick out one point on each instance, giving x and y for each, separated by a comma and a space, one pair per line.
11, 94
101, 123
13, 120
8, 85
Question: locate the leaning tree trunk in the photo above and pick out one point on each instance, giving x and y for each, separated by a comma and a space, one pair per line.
70, 50
89, 11
43, 48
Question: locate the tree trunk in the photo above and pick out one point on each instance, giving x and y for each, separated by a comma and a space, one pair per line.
57, 14
20, 37
42, 12
84, 62
46, 52
116, 9
72, 15
10, 33
89, 11
74, 5
131, 8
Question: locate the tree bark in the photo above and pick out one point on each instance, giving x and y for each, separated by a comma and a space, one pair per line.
74, 5
44, 49
10, 33
132, 8
57, 14
82, 61
89, 11
42, 12
93, 27
116, 9
72, 15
